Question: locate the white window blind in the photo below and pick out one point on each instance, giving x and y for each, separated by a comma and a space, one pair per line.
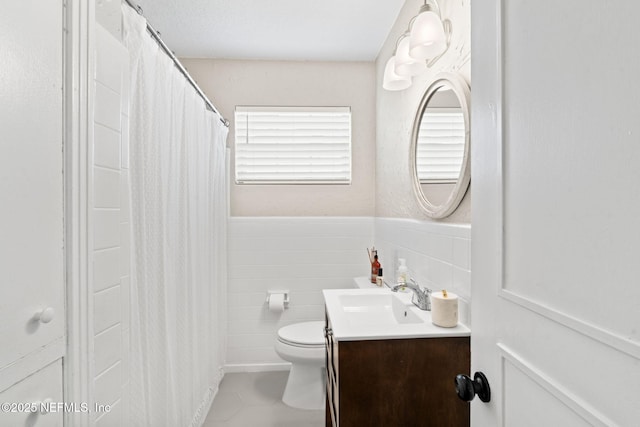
440, 148
293, 145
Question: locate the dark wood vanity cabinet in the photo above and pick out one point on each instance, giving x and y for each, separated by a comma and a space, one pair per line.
395, 382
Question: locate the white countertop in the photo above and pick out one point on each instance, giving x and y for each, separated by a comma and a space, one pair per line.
346, 329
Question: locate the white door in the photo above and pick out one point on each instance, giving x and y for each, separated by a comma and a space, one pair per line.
556, 212
31, 178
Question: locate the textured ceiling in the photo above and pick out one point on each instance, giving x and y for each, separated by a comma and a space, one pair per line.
327, 30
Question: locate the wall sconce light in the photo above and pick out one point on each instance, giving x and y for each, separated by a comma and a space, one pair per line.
428, 35
427, 39
406, 64
393, 81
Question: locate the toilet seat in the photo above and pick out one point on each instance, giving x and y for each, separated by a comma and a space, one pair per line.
304, 335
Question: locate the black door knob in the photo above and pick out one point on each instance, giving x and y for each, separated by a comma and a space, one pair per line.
467, 388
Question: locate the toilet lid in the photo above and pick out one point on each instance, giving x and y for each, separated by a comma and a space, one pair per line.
305, 333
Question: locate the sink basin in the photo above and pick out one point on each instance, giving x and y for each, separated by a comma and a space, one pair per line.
372, 314
376, 309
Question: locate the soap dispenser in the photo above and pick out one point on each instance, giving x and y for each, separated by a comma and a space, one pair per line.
401, 273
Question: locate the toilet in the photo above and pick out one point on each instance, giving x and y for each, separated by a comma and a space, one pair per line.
302, 344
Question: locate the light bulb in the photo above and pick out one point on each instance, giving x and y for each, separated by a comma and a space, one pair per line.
391, 80
428, 38
406, 65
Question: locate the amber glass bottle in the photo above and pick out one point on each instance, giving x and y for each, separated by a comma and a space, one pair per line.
375, 266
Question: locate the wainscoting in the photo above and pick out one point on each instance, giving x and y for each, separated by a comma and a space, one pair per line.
110, 231
301, 254
307, 254
438, 255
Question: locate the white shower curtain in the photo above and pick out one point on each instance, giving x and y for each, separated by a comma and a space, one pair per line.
179, 212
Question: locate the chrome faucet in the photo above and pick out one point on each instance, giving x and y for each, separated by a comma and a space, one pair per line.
421, 297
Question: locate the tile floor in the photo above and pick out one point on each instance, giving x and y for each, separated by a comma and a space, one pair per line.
255, 400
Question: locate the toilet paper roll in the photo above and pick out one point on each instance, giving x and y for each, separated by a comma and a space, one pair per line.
444, 310
276, 303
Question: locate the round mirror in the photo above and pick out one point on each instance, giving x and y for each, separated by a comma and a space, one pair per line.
439, 150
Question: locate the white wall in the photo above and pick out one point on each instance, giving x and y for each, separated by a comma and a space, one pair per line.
109, 15
306, 255
437, 251
109, 258
300, 237
438, 255
235, 82
395, 112
303, 255
270, 249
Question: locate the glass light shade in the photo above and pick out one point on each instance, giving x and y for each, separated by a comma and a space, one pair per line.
392, 81
406, 65
428, 39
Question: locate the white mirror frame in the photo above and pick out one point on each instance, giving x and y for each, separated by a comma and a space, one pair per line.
460, 87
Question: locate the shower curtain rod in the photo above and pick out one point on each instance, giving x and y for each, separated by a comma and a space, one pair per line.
156, 36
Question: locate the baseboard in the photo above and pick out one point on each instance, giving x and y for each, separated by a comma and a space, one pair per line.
256, 367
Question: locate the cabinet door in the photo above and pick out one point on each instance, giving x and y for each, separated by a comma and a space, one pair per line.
31, 179
36, 400
332, 391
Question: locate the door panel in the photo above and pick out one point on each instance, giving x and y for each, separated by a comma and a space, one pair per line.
31, 180
571, 132
556, 197
517, 407
37, 389
526, 383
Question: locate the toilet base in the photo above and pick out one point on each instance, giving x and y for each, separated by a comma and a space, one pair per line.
305, 387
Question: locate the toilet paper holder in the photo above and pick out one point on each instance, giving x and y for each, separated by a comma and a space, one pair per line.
274, 292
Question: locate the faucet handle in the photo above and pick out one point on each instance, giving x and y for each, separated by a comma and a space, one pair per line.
424, 289
421, 300
421, 296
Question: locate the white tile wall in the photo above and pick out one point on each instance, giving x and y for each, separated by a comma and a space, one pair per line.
108, 15
108, 385
106, 309
106, 268
110, 230
106, 187
303, 255
107, 105
106, 228
115, 416
306, 255
106, 147
107, 347
437, 254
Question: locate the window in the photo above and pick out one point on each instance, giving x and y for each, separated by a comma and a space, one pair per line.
285, 145
440, 149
